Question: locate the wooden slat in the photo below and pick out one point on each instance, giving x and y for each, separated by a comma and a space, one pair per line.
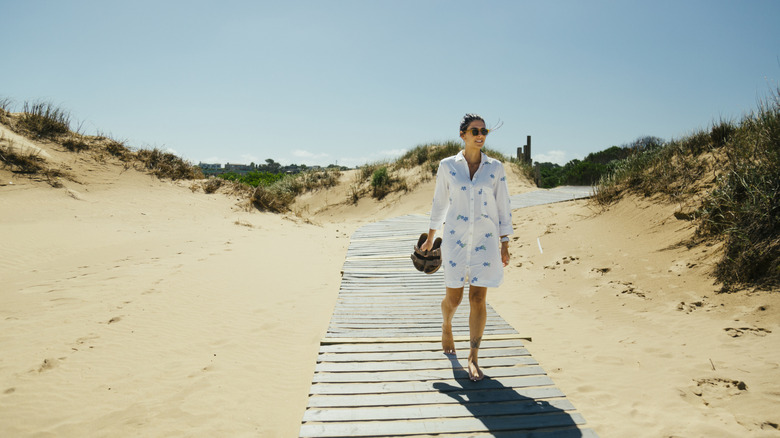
429, 374
401, 365
518, 407
433, 397
416, 346
442, 385
439, 426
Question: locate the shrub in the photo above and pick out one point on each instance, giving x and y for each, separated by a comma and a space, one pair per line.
212, 185
275, 198
167, 165
254, 178
380, 183
75, 145
119, 150
43, 119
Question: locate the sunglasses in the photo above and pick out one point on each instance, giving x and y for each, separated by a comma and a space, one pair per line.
477, 131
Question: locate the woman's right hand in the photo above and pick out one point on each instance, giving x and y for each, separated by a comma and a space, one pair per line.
429, 242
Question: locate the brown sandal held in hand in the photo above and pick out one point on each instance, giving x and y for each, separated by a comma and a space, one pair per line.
427, 261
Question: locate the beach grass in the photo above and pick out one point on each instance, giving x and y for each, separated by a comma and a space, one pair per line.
28, 163
44, 119
731, 171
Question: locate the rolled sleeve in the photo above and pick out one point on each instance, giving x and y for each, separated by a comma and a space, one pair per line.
440, 201
504, 205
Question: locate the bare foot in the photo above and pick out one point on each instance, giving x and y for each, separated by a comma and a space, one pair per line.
475, 374
447, 342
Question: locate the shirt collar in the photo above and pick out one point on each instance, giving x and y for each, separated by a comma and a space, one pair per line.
485, 158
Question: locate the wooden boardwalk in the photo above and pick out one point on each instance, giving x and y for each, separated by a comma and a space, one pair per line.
381, 372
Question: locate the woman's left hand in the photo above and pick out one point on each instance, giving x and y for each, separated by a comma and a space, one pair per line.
505, 253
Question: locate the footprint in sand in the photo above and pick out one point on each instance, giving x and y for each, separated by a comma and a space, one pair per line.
739, 332
627, 288
49, 363
564, 261
714, 389
689, 307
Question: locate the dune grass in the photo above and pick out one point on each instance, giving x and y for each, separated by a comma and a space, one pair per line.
279, 195
28, 163
734, 168
44, 120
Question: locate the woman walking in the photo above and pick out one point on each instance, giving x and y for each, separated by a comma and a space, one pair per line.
471, 203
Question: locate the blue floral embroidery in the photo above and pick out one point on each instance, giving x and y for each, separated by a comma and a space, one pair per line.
480, 191
453, 264
485, 203
463, 218
492, 176
480, 248
463, 188
486, 264
453, 173
461, 278
474, 280
489, 235
452, 231
461, 244
486, 216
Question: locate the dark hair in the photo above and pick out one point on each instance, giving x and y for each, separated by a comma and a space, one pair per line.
468, 118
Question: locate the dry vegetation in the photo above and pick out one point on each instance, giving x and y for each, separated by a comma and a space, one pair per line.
725, 179
45, 122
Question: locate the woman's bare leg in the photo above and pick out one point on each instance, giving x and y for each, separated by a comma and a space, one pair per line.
477, 320
448, 307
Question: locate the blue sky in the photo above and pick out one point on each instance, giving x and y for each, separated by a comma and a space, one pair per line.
320, 82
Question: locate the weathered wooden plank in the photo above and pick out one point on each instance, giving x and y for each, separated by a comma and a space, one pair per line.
402, 324
416, 346
442, 385
519, 407
438, 426
413, 375
434, 397
567, 432
379, 356
402, 332
339, 367
437, 338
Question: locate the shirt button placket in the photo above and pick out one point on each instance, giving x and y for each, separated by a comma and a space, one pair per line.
472, 219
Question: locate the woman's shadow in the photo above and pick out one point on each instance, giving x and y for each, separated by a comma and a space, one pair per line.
503, 409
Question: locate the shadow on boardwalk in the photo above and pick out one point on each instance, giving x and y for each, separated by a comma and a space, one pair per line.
504, 411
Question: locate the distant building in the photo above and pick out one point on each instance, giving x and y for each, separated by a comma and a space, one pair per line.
210, 168
238, 168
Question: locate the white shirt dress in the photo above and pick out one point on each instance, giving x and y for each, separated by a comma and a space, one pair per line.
473, 214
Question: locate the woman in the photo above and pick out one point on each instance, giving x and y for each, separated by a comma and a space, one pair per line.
471, 202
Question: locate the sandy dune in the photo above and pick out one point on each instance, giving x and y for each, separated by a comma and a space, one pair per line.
137, 307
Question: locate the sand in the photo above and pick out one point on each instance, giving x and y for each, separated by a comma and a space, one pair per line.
131, 306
